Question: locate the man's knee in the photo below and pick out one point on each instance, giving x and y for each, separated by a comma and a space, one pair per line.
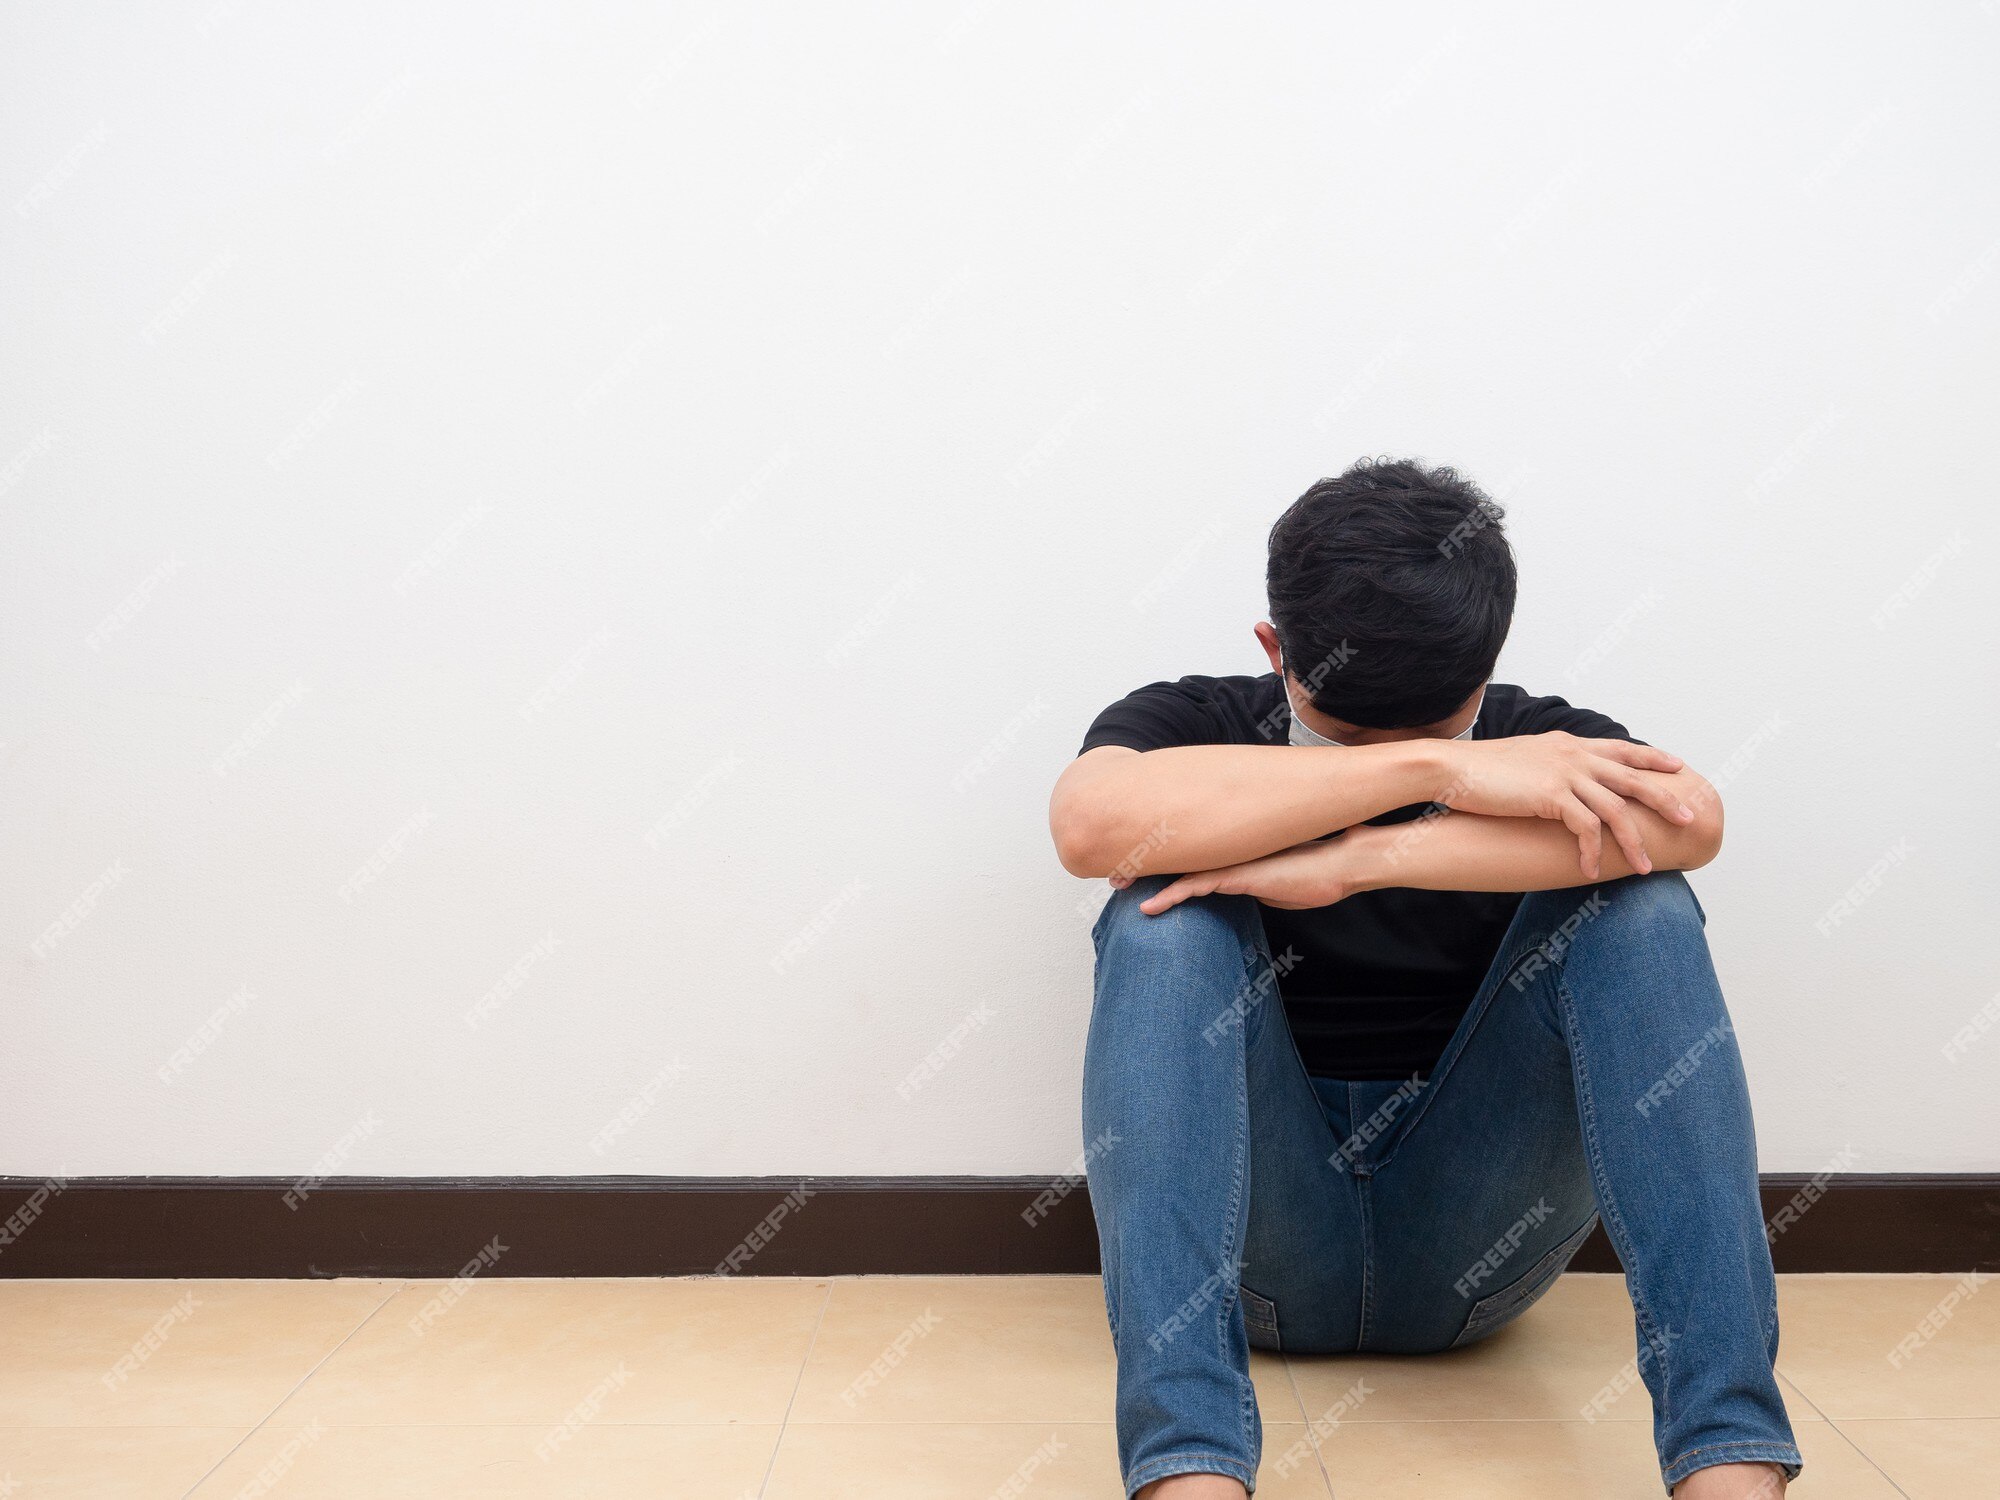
1643, 919
1658, 904
1207, 927
1191, 966
1614, 912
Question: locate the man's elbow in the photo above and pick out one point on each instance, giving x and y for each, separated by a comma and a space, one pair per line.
1079, 835
1701, 839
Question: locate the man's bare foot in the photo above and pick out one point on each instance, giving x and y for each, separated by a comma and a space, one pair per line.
1193, 1487
1733, 1482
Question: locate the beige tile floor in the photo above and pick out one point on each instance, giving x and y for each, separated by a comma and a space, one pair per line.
929, 1388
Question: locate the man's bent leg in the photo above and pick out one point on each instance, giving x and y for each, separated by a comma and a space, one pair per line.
1596, 1063
1665, 1113
1186, 1013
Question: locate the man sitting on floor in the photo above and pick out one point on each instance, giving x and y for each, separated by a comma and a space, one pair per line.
1498, 1024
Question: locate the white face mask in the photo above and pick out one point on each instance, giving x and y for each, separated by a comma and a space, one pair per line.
1304, 734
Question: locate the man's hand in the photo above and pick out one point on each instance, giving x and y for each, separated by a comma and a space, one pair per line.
1310, 875
1579, 783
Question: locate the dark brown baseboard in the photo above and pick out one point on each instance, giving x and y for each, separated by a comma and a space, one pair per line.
676, 1226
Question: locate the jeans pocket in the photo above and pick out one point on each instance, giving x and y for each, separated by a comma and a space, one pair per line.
1260, 1319
1492, 1313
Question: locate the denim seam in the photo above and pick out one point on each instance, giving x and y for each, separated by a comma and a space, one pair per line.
1785, 1455
1528, 1290
1367, 1194
1232, 1248
1614, 1220
1365, 1201
1147, 1472
1740, 1443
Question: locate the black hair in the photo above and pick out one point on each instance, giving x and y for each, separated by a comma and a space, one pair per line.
1391, 587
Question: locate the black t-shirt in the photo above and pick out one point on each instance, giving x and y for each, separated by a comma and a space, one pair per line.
1383, 978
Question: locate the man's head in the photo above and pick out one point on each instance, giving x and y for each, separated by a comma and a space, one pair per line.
1391, 590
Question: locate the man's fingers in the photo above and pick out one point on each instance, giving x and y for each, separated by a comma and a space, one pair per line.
1645, 757
1184, 889
1611, 807
1589, 832
1656, 792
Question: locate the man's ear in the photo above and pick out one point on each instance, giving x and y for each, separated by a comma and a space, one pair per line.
1267, 637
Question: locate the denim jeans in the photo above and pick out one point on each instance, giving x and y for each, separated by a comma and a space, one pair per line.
1241, 1203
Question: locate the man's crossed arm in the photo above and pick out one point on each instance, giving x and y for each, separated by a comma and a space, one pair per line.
1527, 813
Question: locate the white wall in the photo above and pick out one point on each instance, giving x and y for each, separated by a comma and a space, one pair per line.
492, 432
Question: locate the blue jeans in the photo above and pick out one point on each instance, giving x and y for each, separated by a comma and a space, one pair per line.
1240, 1202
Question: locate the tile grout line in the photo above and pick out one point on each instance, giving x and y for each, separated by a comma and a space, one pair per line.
400, 1287
792, 1400
1866, 1456
1869, 1459
1319, 1455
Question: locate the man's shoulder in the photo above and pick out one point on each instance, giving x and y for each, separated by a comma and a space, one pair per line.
1237, 702
1196, 709
1196, 685
1504, 700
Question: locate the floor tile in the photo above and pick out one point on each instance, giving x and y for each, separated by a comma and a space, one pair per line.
1538, 1460
1892, 1346
109, 1463
308, 1461
976, 1349
531, 1352
167, 1353
963, 1461
921, 1386
1933, 1460
1277, 1395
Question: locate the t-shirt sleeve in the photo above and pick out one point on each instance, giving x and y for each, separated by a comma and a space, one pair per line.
1156, 716
1543, 715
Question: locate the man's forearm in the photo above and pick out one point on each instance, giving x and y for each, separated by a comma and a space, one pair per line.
1467, 852
1193, 807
